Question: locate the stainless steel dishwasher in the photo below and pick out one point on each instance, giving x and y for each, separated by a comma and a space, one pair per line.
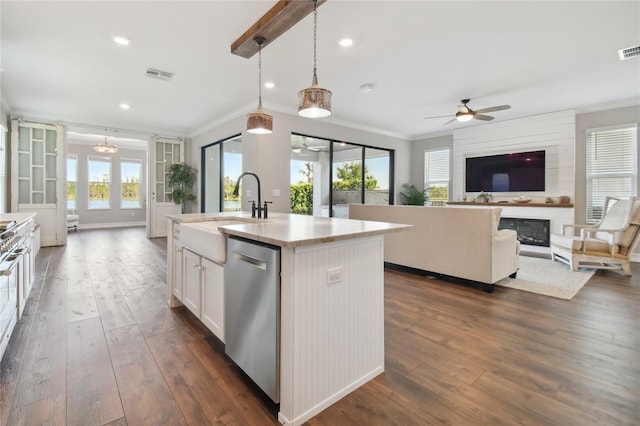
252, 311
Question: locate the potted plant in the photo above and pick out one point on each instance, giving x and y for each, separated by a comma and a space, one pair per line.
483, 197
181, 178
413, 196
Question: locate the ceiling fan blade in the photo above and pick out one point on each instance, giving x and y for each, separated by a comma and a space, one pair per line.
483, 117
314, 148
297, 150
450, 121
492, 109
437, 116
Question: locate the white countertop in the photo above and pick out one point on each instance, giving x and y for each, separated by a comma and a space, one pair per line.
292, 230
18, 217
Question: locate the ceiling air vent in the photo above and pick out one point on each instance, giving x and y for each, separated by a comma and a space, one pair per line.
629, 52
160, 75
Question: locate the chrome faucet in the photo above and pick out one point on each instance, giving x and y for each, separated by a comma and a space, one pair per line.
259, 208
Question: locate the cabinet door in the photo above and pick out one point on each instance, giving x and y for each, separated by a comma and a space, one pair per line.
176, 259
213, 297
192, 287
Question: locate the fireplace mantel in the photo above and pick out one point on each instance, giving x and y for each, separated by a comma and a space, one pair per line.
508, 204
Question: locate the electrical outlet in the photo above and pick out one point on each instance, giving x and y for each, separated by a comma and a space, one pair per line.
275, 193
249, 193
334, 275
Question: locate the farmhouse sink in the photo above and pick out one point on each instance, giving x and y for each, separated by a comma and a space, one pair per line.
205, 239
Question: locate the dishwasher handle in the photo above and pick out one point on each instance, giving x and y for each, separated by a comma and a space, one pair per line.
257, 263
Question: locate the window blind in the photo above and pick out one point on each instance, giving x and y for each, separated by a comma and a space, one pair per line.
436, 176
436, 167
611, 166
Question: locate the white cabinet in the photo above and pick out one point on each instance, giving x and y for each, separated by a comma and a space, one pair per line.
212, 276
192, 284
174, 265
204, 290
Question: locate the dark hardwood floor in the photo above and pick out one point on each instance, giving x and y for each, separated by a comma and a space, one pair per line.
99, 346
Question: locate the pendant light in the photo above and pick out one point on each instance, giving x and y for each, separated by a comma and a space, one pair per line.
105, 147
259, 122
314, 101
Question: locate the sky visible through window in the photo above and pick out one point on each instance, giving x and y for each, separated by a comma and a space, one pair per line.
99, 170
131, 171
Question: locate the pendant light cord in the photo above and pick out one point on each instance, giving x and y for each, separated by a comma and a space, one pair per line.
315, 33
315, 38
260, 75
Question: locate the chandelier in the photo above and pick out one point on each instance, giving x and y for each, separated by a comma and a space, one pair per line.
105, 147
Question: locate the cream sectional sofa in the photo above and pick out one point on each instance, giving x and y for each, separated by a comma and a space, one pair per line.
455, 242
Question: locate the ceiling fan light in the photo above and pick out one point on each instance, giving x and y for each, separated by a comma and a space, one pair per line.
259, 122
464, 116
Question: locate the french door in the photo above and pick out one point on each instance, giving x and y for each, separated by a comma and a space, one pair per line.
163, 153
37, 177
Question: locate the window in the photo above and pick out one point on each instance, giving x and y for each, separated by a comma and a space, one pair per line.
99, 182
221, 165
436, 176
611, 166
130, 176
327, 175
72, 179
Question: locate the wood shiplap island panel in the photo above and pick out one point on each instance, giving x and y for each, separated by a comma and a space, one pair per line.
337, 324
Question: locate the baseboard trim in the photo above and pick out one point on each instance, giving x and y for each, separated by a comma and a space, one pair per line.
109, 225
635, 257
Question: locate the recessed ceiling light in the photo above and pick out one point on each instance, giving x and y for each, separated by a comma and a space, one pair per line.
345, 42
122, 40
124, 106
269, 85
367, 87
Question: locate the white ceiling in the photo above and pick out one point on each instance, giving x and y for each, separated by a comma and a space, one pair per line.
423, 56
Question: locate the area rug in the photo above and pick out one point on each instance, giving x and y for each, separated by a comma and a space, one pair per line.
544, 276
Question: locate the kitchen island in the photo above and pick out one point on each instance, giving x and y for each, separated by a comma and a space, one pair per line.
331, 301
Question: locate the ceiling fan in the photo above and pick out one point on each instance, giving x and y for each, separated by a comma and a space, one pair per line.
466, 114
304, 148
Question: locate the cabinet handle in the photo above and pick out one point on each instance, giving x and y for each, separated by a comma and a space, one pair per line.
178, 249
196, 266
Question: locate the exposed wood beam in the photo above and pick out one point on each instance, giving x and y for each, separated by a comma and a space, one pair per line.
284, 15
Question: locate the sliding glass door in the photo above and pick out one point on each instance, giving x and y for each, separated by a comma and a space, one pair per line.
221, 165
328, 175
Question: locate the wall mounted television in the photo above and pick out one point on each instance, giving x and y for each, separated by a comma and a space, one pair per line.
514, 172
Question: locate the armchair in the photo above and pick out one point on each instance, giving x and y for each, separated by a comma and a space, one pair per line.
608, 244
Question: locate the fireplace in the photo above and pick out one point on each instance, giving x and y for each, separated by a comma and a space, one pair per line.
534, 232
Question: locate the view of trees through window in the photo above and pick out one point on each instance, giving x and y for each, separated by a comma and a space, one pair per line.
349, 177
328, 175
72, 178
131, 172
99, 183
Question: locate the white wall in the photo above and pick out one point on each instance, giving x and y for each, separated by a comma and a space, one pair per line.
418, 149
554, 133
115, 216
611, 117
269, 155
